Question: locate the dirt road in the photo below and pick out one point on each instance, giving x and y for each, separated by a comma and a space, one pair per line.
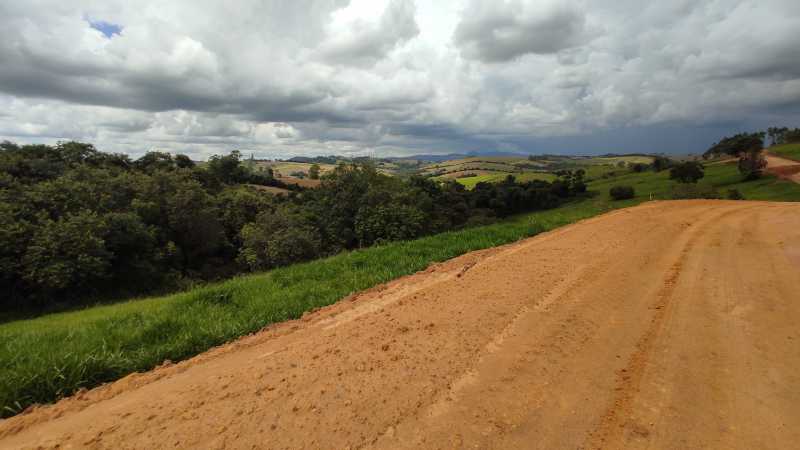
672, 325
782, 167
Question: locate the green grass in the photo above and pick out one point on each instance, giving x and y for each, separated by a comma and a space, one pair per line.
791, 151
613, 160
52, 356
470, 182
719, 175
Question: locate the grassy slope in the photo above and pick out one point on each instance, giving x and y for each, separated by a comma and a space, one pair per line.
51, 356
791, 151
470, 182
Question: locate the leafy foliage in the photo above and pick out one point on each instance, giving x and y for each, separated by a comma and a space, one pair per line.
693, 191
734, 194
77, 224
687, 172
752, 164
736, 145
313, 171
747, 147
661, 163
622, 192
791, 136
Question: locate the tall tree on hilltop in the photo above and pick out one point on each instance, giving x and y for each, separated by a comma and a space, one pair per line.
745, 146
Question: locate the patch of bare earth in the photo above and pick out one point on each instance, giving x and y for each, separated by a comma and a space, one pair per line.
669, 325
784, 168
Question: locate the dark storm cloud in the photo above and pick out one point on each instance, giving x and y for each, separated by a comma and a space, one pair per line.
507, 30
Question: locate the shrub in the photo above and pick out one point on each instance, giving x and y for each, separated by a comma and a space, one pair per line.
734, 194
638, 168
751, 164
313, 172
687, 172
690, 191
661, 163
622, 192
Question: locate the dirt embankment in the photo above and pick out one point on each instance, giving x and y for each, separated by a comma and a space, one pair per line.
669, 325
782, 167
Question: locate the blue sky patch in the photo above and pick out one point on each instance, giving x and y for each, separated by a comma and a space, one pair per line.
107, 28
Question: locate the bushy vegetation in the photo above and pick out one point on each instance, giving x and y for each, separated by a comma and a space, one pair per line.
687, 172
622, 192
684, 191
783, 135
745, 146
78, 224
734, 194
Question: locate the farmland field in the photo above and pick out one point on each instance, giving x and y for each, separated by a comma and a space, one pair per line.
470, 182
495, 169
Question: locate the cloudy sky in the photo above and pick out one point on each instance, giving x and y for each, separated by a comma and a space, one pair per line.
395, 77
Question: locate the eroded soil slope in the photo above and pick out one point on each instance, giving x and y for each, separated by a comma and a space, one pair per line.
783, 167
668, 325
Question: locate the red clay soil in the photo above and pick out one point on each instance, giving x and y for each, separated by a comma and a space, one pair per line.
671, 325
782, 167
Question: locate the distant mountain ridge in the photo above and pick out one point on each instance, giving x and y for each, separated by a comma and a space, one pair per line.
449, 156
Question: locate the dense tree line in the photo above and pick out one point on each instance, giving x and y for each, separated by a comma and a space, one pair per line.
783, 135
77, 224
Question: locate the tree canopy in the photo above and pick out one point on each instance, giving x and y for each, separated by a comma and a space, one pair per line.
737, 144
77, 224
687, 172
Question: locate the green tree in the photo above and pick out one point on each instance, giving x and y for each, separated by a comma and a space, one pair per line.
661, 163
153, 161
228, 169
278, 238
687, 172
622, 192
792, 136
67, 254
777, 135
184, 162
388, 222
194, 225
135, 259
737, 145
313, 172
752, 164
747, 147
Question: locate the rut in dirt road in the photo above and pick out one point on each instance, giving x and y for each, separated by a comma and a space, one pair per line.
668, 325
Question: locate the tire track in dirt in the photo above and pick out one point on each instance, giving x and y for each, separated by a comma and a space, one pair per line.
614, 421
501, 371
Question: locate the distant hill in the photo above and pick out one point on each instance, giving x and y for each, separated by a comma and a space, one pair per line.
451, 156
